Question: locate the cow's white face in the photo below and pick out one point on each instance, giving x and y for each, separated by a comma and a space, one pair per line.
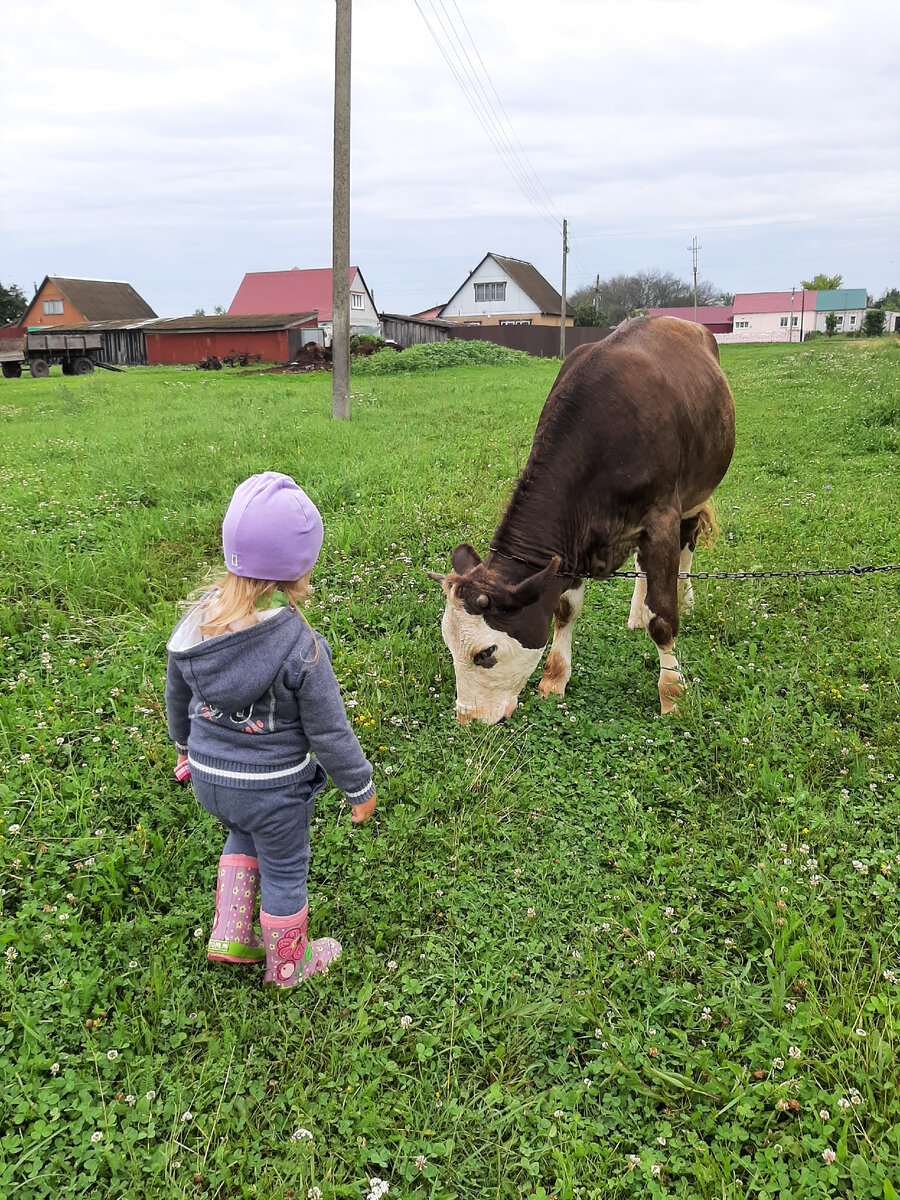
491, 666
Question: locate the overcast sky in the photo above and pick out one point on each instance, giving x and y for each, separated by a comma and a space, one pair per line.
177, 144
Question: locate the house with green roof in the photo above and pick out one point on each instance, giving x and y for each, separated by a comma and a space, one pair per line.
847, 304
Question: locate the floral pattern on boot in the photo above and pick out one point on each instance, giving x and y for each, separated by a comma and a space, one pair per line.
290, 957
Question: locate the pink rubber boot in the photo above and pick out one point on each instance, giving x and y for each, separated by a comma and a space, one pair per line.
289, 956
233, 938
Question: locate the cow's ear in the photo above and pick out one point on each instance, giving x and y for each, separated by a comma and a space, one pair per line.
464, 558
531, 588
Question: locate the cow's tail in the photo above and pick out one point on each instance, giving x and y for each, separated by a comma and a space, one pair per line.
707, 525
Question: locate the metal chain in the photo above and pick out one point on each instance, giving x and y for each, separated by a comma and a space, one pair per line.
759, 574
708, 574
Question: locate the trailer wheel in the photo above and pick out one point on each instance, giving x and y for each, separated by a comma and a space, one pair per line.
82, 366
11, 370
40, 368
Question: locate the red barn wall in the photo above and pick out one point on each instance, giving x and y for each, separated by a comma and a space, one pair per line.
170, 348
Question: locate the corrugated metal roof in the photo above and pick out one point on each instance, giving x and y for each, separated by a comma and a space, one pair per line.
840, 299
261, 323
102, 300
707, 314
288, 291
417, 320
773, 302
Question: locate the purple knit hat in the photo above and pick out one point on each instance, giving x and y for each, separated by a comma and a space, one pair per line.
272, 529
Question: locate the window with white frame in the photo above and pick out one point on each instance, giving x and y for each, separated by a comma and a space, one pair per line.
485, 292
783, 322
795, 321
52, 306
522, 321
853, 318
840, 320
357, 300
742, 324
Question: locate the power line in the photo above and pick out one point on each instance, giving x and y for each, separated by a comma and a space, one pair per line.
484, 110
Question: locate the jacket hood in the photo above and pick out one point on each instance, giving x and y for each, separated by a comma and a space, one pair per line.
234, 670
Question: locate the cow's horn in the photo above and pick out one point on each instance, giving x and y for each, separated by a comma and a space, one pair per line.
435, 576
483, 600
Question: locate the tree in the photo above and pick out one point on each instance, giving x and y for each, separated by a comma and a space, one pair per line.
726, 299
890, 299
831, 324
873, 322
219, 311
12, 304
621, 295
199, 312
587, 313
822, 283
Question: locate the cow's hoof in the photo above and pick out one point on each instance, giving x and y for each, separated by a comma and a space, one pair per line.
669, 695
556, 675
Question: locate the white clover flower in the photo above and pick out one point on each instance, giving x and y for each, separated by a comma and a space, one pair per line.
656, 1170
405, 1021
392, 965
314, 1193
598, 1033
860, 1032
187, 1116
96, 1136
824, 1114
793, 1051
843, 1103
151, 1095
633, 1161
14, 828
558, 1112
531, 913
421, 1160
112, 1055
778, 1063
54, 1070
129, 1100
198, 932
300, 1135
828, 1155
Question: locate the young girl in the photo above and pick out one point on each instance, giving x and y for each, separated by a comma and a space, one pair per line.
250, 697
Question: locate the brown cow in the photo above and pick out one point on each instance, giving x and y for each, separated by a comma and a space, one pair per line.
635, 435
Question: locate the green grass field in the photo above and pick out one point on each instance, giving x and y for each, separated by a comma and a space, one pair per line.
637, 955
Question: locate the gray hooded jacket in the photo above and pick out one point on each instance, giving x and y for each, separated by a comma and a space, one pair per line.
250, 708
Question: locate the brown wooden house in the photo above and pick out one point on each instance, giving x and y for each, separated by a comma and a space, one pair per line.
61, 301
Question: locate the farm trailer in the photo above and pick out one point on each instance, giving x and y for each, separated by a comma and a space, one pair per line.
77, 354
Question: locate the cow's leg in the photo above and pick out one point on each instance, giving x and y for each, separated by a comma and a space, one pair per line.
558, 667
638, 596
660, 552
689, 527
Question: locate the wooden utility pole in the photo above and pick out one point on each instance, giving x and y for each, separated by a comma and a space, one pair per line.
340, 234
562, 313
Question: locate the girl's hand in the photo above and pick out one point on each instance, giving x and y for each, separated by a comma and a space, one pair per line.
182, 770
362, 812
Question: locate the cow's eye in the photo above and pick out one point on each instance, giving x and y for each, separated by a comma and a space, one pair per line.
486, 657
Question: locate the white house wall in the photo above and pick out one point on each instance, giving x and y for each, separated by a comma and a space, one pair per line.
462, 303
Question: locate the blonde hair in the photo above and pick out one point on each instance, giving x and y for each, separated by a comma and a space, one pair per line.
229, 602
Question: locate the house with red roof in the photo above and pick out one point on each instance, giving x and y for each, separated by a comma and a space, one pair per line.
299, 290
716, 317
773, 316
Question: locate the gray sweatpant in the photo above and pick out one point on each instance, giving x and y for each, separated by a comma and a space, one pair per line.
272, 826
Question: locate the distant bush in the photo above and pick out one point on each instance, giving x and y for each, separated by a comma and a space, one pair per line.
436, 355
366, 343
